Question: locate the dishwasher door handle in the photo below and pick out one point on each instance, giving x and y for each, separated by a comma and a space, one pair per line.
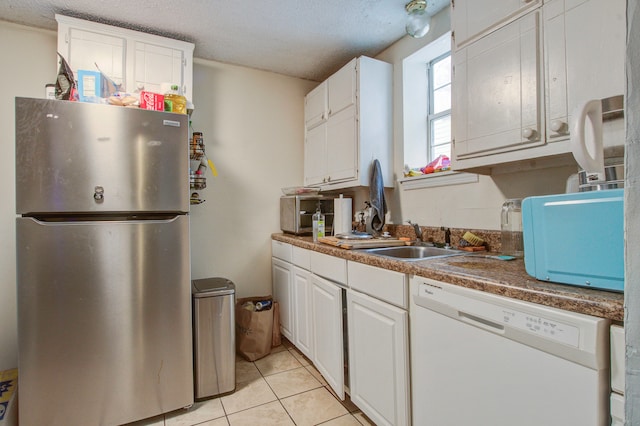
485, 324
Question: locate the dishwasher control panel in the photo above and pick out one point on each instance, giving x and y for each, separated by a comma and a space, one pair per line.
542, 326
491, 313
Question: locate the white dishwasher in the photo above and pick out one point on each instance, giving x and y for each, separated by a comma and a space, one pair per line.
486, 360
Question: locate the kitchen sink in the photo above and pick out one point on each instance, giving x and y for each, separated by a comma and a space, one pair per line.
413, 253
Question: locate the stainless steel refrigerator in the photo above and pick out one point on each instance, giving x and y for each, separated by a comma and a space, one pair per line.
103, 269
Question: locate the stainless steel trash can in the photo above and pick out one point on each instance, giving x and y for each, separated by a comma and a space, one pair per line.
214, 341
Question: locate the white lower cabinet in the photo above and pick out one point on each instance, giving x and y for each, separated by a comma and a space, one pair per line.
328, 343
282, 278
302, 321
351, 321
378, 359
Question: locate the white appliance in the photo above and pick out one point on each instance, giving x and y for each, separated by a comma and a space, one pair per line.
617, 375
482, 359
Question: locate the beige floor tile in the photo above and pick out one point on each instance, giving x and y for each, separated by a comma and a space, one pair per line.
315, 373
272, 413
313, 407
246, 371
277, 363
248, 395
277, 349
199, 412
364, 420
151, 421
217, 422
292, 382
346, 420
300, 357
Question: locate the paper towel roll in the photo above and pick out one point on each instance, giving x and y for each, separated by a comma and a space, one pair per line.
341, 215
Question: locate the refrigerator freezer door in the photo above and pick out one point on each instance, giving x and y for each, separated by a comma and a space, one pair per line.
78, 157
104, 320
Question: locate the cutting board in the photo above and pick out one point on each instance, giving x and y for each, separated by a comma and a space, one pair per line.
361, 244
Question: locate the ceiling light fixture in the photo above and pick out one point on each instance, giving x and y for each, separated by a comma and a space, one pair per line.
418, 21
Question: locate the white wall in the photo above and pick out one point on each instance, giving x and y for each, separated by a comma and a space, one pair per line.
253, 130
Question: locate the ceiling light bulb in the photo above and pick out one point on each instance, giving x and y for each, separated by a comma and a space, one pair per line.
418, 21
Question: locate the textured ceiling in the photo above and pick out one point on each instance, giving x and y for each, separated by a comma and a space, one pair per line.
308, 39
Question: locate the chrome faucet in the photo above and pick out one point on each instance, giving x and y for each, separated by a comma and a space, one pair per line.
416, 228
447, 236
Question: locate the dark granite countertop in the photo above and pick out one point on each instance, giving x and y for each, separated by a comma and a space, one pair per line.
506, 278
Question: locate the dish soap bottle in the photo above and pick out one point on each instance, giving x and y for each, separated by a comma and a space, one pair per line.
317, 221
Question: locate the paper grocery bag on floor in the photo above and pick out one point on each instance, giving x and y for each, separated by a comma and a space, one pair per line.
254, 329
277, 338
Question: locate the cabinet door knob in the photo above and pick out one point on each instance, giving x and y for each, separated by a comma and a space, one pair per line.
558, 126
528, 133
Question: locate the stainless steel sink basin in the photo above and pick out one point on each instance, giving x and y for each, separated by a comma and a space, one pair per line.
412, 253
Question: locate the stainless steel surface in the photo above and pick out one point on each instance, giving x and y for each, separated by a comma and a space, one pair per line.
614, 178
79, 157
412, 253
296, 212
613, 107
103, 264
104, 320
214, 337
355, 236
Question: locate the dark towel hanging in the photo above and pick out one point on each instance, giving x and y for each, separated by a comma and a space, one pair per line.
376, 195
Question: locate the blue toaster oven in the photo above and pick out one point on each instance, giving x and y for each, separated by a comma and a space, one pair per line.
576, 239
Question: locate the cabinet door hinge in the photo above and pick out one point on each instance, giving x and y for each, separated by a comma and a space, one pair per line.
453, 3
66, 38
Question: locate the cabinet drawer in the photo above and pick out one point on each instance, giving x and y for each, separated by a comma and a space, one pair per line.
388, 286
281, 250
302, 258
617, 359
332, 268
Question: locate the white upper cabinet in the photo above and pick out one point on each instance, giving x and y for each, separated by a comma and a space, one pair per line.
316, 106
472, 19
137, 60
498, 90
584, 57
348, 124
517, 84
341, 88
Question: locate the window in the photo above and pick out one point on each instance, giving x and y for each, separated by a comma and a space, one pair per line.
439, 107
426, 114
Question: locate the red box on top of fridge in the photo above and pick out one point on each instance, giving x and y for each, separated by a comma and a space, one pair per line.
153, 101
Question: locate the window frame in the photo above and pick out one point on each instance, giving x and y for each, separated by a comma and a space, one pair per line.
432, 116
414, 111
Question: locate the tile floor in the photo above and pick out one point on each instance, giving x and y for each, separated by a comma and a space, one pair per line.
283, 388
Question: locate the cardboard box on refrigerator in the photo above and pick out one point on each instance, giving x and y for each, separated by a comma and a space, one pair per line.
152, 101
9, 397
93, 85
